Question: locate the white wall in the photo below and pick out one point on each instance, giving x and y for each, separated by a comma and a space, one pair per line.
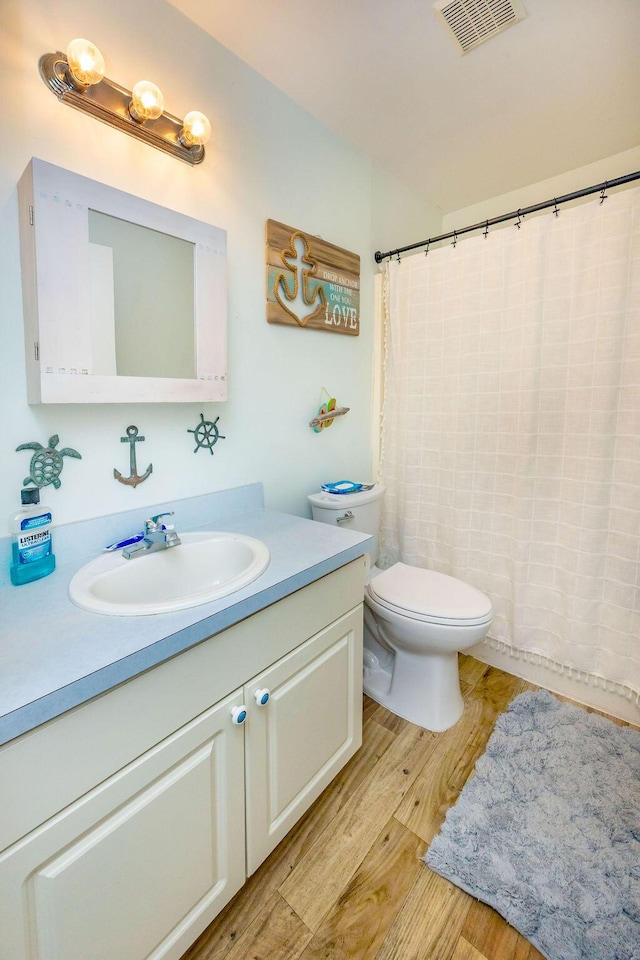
268, 158
397, 220
607, 169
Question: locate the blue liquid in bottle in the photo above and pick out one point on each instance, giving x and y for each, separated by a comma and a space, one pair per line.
31, 552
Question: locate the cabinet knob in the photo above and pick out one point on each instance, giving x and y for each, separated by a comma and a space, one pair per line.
238, 714
262, 697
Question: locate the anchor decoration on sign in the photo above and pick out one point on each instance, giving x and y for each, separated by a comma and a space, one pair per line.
303, 266
134, 477
206, 434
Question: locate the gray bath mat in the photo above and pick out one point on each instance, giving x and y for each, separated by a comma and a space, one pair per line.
547, 831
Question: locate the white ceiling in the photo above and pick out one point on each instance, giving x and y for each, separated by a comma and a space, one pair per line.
559, 90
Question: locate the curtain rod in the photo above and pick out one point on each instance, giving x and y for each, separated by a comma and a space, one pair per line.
485, 224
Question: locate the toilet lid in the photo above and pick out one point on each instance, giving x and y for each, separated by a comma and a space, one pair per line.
428, 594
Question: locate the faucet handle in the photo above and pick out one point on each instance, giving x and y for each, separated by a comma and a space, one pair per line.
151, 525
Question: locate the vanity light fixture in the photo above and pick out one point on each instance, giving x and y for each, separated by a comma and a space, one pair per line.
77, 79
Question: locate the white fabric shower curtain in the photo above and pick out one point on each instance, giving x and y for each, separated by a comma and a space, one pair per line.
511, 431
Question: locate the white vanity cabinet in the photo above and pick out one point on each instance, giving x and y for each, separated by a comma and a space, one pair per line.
310, 726
129, 868
129, 822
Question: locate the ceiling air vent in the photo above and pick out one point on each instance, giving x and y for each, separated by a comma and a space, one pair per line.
472, 22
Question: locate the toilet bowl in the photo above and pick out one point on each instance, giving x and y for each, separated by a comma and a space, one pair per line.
416, 621
423, 619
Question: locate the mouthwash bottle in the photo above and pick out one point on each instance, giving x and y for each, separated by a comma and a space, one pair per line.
32, 556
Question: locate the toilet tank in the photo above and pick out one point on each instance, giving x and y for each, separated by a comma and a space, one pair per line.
359, 511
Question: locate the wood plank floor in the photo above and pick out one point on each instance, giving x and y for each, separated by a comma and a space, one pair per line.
348, 881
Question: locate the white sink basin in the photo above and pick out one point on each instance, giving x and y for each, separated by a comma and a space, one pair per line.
203, 567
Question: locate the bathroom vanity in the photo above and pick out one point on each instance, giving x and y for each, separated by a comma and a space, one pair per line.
131, 819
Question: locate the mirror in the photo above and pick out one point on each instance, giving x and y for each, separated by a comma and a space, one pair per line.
125, 301
146, 279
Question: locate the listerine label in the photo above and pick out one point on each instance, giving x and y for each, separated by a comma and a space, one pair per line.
34, 546
31, 523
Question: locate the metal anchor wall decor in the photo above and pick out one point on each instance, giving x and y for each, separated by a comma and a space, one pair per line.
134, 478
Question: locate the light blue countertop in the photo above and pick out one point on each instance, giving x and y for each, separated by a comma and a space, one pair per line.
55, 656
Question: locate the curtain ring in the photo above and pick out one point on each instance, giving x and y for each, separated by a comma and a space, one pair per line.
518, 221
603, 195
455, 238
485, 232
398, 257
555, 207
426, 253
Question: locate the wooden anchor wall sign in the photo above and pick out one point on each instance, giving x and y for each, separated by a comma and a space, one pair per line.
311, 283
134, 478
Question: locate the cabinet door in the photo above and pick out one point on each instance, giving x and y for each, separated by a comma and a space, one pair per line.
308, 729
136, 868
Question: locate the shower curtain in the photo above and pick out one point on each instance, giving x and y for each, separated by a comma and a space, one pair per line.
511, 431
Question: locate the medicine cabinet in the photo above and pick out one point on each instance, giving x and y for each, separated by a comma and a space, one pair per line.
124, 300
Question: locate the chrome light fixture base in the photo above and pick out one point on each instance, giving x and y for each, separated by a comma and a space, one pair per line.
109, 102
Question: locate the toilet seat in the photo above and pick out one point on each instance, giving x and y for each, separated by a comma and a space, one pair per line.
429, 596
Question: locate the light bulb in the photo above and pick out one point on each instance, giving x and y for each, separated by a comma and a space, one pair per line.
86, 63
147, 102
196, 129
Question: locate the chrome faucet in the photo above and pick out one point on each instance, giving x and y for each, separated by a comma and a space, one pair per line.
157, 536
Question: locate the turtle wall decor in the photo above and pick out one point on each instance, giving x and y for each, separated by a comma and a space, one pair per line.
46, 463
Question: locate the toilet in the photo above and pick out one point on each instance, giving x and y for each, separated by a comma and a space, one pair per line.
416, 621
